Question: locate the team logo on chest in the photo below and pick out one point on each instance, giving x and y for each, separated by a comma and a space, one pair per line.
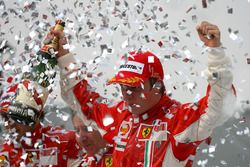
146, 131
108, 161
151, 132
32, 157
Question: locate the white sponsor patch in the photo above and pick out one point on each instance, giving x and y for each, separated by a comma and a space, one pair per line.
49, 156
132, 66
125, 129
120, 146
159, 136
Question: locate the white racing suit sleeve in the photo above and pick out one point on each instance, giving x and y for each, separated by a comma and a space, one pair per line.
221, 100
70, 75
198, 121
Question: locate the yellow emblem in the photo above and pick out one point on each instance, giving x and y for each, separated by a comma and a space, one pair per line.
30, 157
108, 161
3, 161
146, 131
124, 129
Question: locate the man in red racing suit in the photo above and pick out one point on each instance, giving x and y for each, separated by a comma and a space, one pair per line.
27, 141
159, 131
47, 146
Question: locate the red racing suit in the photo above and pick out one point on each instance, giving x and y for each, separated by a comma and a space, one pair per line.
168, 134
47, 146
106, 160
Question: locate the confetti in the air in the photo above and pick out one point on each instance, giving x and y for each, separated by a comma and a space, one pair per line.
108, 120
98, 34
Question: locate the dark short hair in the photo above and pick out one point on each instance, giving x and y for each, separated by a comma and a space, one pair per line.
152, 81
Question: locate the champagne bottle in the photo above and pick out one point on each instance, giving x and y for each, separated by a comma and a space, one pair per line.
43, 70
30, 95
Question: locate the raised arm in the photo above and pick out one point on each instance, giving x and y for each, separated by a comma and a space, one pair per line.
80, 96
221, 98
217, 106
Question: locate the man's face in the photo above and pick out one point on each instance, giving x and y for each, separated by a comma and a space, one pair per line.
90, 139
141, 98
17, 130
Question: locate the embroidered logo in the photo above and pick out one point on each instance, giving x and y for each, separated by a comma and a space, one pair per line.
157, 132
132, 66
30, 157
146, 132
108, 161
124, 129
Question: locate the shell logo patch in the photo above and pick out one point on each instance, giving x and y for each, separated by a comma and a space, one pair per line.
125, 129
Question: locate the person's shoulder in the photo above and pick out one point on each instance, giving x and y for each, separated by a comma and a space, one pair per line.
5, 147
116, 109
171, 105
2, 147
